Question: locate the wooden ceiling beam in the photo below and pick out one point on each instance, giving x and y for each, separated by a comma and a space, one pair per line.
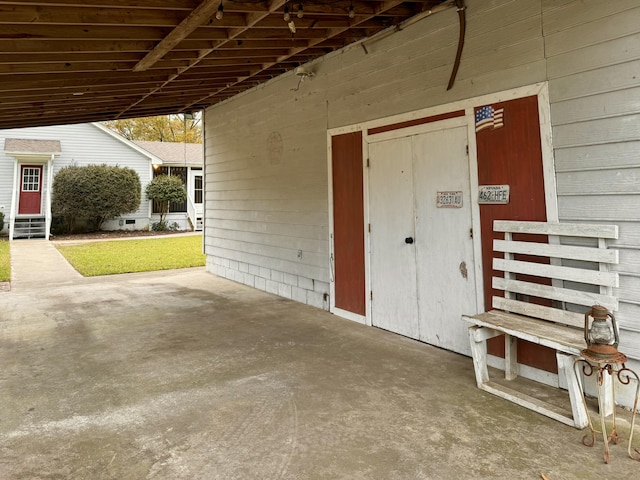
187, 5
117, 17
241, 45
44, 64
67, 117
78, 104
98, 11
81, 33
66, 93
56, 15
95, 104
18, 98
167, 67
274, 34
197, 17
71, 47
127, 90
91, 57
73, 80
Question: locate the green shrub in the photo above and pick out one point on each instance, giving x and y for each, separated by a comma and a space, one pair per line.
166, 189
1, 221
160, 226
94, 193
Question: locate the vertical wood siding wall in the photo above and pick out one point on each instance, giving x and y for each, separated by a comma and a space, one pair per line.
266, 173
82, 144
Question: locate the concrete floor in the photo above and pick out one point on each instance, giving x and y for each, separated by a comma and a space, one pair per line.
182, 375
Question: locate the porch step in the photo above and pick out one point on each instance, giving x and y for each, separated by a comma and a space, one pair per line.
29, 227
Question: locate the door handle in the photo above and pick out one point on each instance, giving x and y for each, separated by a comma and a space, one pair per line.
408, 240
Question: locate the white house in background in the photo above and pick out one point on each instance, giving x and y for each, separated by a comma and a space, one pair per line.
30, 158
183, 160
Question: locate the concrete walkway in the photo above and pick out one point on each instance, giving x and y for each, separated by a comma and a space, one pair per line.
183, 375
37, 263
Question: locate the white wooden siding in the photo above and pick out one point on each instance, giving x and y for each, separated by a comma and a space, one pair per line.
598, 157
605, 105
266, 204
593, 59
588, 51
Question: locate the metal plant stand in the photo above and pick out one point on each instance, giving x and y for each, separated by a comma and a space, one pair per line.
615, 367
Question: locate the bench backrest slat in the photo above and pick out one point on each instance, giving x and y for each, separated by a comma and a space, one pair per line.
609, 232
572, 275
568, 252
551, 314
591, 277
558, 294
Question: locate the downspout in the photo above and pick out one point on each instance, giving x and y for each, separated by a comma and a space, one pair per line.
47, 212
14, 192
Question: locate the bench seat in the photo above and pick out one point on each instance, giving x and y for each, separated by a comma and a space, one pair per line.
559, 337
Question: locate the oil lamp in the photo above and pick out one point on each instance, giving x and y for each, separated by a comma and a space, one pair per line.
601, 336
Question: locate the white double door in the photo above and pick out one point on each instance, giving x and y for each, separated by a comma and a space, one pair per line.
422, 272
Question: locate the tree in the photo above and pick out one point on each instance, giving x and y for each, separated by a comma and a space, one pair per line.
166, 128
166, 189
95, 192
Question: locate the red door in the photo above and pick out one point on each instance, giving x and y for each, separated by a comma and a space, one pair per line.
511, 155
30, 190
348, 222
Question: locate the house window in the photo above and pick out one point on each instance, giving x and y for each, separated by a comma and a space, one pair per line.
197, 189
30, 179
180, 172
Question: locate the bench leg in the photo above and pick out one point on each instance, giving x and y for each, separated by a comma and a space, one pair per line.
566, 370
510, 357
479, 354
477, 338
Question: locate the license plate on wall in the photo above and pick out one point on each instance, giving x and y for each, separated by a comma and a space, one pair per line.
493, 194
449, 200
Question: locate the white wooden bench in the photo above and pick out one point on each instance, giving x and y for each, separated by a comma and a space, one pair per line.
579, 277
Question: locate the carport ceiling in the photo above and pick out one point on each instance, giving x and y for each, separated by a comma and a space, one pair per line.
70, 61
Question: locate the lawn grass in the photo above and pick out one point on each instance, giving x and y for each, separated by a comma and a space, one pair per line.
5, 261
127, 256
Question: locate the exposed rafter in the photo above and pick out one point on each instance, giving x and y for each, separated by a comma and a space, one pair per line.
197, 17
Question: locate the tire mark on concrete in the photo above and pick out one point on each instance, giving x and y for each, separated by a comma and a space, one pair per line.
293, 439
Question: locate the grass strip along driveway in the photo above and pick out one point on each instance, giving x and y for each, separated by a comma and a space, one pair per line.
5, 261
127, 256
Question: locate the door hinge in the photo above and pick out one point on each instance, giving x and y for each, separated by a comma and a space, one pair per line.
467, 150
369, 228
471, 232
371, 294
367, 163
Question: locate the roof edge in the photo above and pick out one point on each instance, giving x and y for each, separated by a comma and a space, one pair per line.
154, 160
